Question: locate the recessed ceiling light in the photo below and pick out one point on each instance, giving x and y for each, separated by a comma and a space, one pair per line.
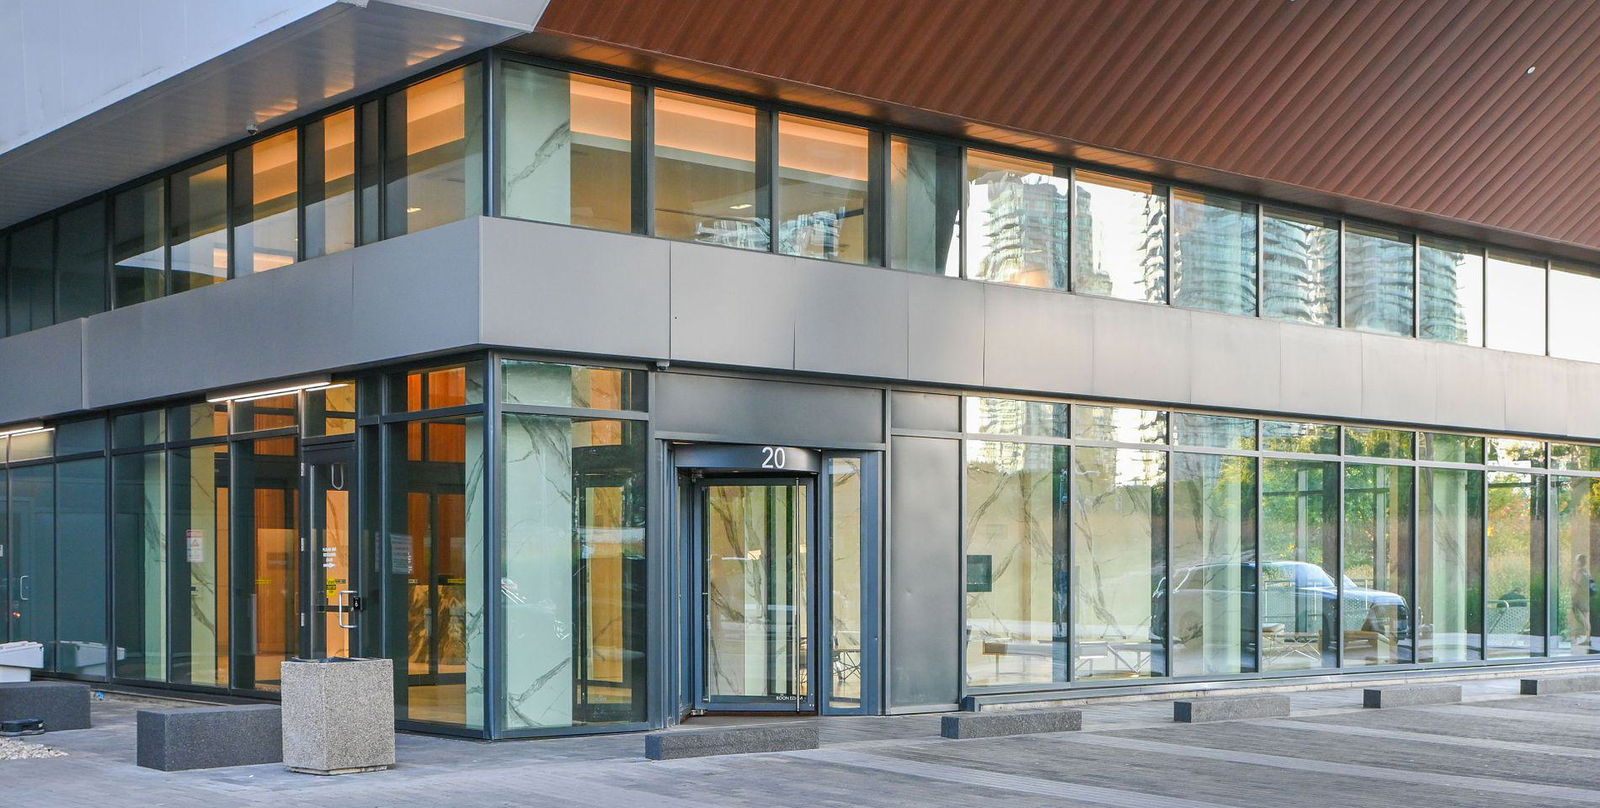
744, 206
413, 209
1530, 71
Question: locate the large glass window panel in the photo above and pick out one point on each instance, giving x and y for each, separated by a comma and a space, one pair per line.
437, 388
707, 188
1013, 416
1450, 448
1378, 280
199, 227
32, 445
328, 184
847, 631
1212, 591
559, 385
1449, 613
1119, 232
140, 575
265, 561
1119, 424
822, 189
1575, 456
1016, 559
1302, 437
1514, 298
924, 206
200, 565
433, 152
573, 563
263, 413
81, 557
1299, 564
1574, 302
138, 233
1516, 452
1214, 431
1299, 267
1016, 221
434, 616
331, 410
1450, 279
567, 148
32, 518
1119, 531
1573, 584
31, 265
1375, 608
1213, 253
1375, 442
1513, 612
81, 262
266, 198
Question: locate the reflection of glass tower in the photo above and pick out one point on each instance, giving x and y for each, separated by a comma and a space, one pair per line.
1121, 242
1443, 315
1379, 296
1303, 259
1026, 227
1213, 255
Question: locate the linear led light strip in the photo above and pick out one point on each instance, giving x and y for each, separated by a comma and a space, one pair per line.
252, 395
25, 429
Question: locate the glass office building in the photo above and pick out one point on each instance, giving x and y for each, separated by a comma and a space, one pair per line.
595, 400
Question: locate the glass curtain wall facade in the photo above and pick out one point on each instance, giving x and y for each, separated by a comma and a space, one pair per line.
629, 155
1105, 544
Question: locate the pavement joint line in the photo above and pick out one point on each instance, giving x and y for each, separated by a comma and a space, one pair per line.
1428, 737
1487, 711
1353, 770
1116, 798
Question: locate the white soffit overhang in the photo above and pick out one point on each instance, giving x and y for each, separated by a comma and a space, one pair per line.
341, 50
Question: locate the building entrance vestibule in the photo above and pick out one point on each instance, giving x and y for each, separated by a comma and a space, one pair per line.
779, 543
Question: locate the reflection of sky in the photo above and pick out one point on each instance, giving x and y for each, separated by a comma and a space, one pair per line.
1120, 233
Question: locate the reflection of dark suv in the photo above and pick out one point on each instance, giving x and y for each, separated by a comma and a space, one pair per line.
1295, 596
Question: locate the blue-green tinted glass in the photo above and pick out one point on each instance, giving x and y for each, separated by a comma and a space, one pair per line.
1299, 267
1450, 279
1213, 253
1215, 431
1378, 282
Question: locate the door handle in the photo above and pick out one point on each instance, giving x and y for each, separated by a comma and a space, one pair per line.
24, 589
344, 608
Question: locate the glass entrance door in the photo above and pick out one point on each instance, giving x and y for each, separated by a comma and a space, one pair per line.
334, 599
755, 605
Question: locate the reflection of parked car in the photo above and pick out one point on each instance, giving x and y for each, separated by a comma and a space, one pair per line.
1295, 597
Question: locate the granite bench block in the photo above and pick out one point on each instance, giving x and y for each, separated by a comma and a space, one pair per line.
62, 705
1410, 695
687, 743
1551, 685
1009, 722
338, 716
209, 737
1229, 708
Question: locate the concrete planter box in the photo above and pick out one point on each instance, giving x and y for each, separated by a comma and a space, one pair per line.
338, 715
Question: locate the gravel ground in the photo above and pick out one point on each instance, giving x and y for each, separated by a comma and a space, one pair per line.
16, 749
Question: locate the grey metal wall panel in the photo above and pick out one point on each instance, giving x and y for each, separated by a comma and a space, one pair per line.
1536, 393
1233, 366
733, 308
924, 572
850, 320
757, 411
417, 293
946, 339
274, 324
1319, 368
1036, 340
925, 411
1141, 351
1397, 380
41, 372
569, 289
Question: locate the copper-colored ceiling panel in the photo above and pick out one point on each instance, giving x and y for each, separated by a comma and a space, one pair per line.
1421, 106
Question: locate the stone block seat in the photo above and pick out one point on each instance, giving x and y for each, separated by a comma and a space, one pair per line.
1410, 695
1230, 708
1009, 722
61, 705
210, 737
782, 736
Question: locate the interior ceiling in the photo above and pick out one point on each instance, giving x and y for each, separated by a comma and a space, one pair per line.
1421, 112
